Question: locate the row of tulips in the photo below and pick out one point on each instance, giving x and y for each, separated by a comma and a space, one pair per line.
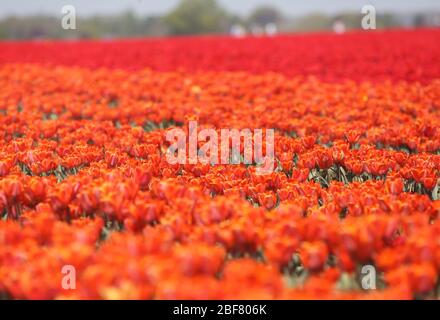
216, 242
359, 56
39, 102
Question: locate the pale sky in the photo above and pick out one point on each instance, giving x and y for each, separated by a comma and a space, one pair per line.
145, 7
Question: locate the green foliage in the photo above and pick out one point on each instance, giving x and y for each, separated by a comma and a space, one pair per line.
122, 25
197, 16
189, 17
264, 15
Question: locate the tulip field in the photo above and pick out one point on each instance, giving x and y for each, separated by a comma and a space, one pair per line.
84, 181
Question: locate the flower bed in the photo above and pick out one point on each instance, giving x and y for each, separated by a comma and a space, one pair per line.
84, 180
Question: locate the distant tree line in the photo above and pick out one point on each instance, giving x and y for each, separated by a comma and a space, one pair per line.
189, 17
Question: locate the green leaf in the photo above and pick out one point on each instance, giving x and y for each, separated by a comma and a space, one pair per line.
435, 191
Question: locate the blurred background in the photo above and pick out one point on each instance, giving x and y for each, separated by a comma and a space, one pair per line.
30, 19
